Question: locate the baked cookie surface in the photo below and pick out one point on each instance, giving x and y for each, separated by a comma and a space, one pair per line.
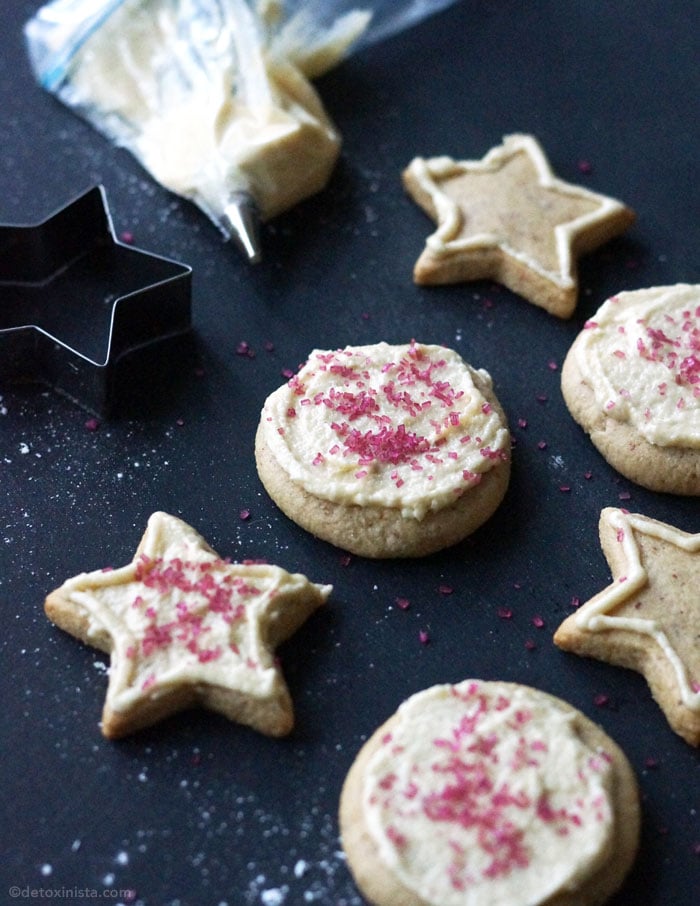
489, 792
632, 381
648, 618
508, 218
385, 451
184, 627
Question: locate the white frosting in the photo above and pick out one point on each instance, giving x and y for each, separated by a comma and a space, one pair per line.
179, 614
596, 615
450, 236
640, 353
486, 794
241, 118
405, 427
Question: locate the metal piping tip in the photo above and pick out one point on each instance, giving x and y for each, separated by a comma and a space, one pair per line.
241, 223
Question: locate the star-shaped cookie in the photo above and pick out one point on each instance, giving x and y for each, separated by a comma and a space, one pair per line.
508, 218
648, 618
184, 627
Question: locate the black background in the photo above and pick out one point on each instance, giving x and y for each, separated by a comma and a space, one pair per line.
201, 811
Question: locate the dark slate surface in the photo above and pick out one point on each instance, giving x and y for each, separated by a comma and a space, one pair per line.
199, 812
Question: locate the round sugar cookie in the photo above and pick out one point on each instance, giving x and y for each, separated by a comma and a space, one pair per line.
489, 792
632, 381
385, 450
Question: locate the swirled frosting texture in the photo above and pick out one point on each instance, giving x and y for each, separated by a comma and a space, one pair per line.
640, 354
408, 427
486, 793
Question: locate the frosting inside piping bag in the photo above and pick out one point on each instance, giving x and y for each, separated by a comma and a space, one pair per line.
213, 97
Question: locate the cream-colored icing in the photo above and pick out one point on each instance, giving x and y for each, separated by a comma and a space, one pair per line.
405, 427
485, 793
640, 353
445, 241
246, 120
179, 614
596, 617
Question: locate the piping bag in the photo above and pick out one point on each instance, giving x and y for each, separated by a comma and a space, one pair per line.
213, 97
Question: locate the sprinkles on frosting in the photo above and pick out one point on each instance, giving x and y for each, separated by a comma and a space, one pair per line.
641, 354
400, 426
496, 780
184, 626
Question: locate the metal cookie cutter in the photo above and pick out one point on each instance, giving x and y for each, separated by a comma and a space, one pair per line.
75, 302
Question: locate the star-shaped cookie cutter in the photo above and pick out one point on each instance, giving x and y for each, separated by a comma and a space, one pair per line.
75, 301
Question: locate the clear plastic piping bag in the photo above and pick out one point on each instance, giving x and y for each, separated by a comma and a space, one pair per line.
213, 97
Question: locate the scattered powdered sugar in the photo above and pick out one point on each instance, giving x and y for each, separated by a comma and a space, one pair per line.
319, 877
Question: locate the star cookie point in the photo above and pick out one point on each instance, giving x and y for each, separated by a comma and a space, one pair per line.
508, 217
184, 627
647, 618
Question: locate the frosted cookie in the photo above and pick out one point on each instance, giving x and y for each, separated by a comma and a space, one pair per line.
489, 793
385, 451
508, 218
184, 627
647, 619
632, 381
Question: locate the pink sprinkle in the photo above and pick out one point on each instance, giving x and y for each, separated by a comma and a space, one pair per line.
651, 762
542, 445
601, 700
505, 613
92, 424
564, 488
445, 589
530, 645
403, 603
552, 365
575, 602
538, 622
244, 349
423, 636
345, 560
127, 236
585, 167
624, 495
244, 515
522, 423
